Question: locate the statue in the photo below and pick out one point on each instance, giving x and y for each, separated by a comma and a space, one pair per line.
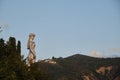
31, 48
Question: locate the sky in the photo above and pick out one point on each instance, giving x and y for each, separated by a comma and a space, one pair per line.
63, 27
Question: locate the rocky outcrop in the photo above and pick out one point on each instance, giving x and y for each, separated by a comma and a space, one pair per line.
103, 69
89, 76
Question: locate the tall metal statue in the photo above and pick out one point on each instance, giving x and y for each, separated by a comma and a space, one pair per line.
31, 48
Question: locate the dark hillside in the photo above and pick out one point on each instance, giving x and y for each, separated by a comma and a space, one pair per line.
81, 67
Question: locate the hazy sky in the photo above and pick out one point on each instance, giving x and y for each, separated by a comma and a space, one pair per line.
64, 27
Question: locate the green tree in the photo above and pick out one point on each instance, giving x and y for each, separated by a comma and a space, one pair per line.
19, 49
1, 48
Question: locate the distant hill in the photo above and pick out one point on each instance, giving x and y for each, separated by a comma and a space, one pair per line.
81, 67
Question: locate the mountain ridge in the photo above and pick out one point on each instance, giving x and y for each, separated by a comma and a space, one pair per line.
81, 67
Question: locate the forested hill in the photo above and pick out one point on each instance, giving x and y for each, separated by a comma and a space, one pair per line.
81, 67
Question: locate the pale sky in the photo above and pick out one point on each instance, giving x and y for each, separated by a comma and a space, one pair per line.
64, 27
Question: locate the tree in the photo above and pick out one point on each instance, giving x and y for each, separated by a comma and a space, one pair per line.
1, 48
12, 46
19, 49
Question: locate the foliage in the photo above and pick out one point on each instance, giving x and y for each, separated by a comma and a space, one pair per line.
13, 66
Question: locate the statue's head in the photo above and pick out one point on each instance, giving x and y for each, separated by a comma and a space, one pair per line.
32, 36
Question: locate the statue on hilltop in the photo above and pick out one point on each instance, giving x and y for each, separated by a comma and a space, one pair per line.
31, 48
